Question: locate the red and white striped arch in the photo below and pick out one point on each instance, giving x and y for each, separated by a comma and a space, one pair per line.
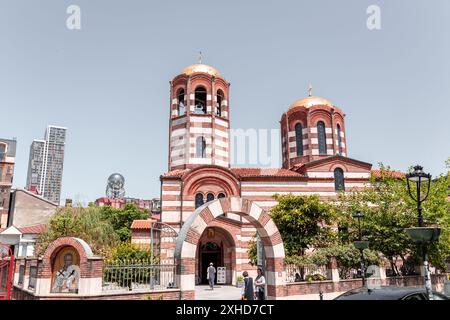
190, 233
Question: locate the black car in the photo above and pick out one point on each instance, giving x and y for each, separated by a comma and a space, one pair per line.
390, 293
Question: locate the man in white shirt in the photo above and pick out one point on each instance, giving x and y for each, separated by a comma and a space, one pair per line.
211, 275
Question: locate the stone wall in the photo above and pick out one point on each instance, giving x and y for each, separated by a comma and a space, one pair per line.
172, 294
297, 290
28, 209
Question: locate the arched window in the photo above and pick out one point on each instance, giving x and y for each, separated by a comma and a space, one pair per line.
220, 97
200, 100
339, 179
299, 139
201, 147
221, 195
181, 106
198, 200
322, 137
338, 129
209, 197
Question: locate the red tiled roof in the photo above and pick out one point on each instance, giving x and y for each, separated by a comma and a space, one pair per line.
265, 172
142, 224
178, 173
395, 174
244, 172
35, 229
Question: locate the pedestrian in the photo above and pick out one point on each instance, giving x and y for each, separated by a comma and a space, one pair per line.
260, 285
211, 275
248, 291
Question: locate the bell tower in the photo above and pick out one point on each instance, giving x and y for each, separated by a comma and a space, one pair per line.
199, 118
312, 129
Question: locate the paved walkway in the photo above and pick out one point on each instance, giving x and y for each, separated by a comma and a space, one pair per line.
220, 292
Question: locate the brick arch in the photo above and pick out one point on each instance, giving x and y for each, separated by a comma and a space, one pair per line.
230, 240
212, 175
190, 233
339, 165
83, 249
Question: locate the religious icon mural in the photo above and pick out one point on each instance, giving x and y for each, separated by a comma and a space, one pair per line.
66, 271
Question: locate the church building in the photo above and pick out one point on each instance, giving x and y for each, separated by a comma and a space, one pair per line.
314, 161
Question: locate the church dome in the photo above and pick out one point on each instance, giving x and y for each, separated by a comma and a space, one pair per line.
311, 101
200, 67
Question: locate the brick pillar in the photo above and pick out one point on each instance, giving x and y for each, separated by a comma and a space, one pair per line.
91, 283
332, 271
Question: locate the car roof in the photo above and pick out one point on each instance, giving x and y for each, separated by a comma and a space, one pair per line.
380, 293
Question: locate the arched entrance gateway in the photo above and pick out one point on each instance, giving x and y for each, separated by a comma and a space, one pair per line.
218, 246
192, 233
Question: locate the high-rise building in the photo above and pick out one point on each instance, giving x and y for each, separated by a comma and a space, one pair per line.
7, 158
45, 167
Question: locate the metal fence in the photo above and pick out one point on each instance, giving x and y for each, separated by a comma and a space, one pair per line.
296, 273
138, 275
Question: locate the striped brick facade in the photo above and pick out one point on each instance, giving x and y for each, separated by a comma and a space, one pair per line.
308, 117
186, 125
248, 193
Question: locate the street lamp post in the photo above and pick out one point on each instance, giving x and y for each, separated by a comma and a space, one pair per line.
361, 244
422, 235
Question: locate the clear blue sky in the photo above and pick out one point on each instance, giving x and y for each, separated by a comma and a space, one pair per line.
108, 82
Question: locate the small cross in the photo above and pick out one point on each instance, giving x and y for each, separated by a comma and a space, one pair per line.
310, 90
200, 57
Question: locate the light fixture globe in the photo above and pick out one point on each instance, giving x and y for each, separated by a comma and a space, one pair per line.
418, 175
423, 235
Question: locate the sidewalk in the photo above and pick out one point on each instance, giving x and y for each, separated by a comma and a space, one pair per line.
220, 292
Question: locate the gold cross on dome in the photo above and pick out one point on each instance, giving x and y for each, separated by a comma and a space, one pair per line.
310, 90
200, 57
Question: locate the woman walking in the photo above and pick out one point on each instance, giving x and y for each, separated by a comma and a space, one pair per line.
260, 285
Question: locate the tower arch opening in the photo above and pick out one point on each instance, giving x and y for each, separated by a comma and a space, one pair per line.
181, 102
200, 100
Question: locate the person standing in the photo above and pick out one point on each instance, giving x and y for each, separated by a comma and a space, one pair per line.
211, 275
260, 285
248, 291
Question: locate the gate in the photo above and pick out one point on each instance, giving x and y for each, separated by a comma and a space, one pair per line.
6, 271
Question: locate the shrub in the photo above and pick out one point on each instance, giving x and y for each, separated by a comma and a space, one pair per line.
315, 277
126, 252
84, 223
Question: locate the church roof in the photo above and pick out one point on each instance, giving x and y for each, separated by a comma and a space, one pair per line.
243, 172
392, 173
310, 102
142, 224
265, 172
200, 67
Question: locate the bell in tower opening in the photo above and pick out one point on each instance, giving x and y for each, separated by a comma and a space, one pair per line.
199, 118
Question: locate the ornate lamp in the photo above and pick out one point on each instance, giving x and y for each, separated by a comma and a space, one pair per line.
422, 235
418, 177
361, 244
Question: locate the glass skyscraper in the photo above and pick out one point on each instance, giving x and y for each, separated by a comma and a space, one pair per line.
45, 167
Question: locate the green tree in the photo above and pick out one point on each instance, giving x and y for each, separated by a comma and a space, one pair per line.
303, 222
101, 227
121, 219
253, 251
347, 258
388, 210
85, 223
